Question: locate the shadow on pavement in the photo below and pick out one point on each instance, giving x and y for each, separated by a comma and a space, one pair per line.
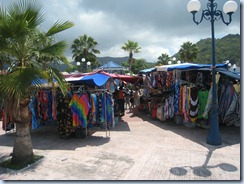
203, 170
230, 135
46, 137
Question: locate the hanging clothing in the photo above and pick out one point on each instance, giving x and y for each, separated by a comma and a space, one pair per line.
34, 118
80, 107
193, 113
176, 97
64, 117
49, 112
203, 98
230, 116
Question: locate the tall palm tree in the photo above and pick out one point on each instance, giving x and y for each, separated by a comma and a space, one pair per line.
85, 47
131, 47
163, 59
188, 52
32, 52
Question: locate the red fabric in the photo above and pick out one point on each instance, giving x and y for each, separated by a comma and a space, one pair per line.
154, 113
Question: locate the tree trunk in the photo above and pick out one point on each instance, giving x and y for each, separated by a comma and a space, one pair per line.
22, 151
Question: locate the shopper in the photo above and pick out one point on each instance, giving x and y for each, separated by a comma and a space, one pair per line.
137, 96
121, 100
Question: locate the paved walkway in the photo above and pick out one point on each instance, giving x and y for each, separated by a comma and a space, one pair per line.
139, 148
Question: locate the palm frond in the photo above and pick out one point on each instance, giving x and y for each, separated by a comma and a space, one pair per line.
58, 27
54, 50
53, 73
20, 81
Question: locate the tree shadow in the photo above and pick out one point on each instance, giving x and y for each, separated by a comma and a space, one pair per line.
47, 138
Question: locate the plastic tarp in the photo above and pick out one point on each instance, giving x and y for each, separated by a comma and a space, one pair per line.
126, 78
73, 79
187, 66
149, 70
97, 79
225, 72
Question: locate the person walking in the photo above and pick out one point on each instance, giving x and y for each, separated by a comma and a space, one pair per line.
137, 96
121, 101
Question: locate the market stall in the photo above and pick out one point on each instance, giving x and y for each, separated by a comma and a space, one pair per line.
181, 92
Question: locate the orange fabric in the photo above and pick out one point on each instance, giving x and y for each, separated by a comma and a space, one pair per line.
121, 94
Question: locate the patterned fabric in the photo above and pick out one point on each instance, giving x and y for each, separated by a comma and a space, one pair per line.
230, 116
226, 100
80, 107
64, 117
185, 103
193, 113
176, 97
169, 79
169, 107
203, 98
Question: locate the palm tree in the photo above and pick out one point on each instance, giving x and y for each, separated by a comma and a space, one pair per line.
131, 47
188, 52
85, 47
163, 59
32, 51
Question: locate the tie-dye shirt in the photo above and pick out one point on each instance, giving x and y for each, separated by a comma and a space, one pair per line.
80, 107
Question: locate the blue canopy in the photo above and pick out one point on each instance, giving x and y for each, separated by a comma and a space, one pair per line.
188, 66
149, 70
224, 71
96, 79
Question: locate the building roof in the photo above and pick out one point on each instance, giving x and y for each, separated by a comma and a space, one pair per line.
111, 66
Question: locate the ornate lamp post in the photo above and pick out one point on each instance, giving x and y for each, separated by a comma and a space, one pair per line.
234, 67
212, 14
78, 66
83, 60
169, 62
88, 65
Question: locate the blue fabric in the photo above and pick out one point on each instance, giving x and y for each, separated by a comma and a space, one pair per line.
34, 121
97, 79
234, 75
149, 70
194, 66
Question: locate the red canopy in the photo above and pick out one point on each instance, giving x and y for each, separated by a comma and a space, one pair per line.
126, 78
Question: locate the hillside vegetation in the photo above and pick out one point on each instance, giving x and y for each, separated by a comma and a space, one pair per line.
227, 48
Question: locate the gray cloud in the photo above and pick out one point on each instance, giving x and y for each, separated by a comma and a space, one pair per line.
159, 26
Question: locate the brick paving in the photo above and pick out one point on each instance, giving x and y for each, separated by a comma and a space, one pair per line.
138, 148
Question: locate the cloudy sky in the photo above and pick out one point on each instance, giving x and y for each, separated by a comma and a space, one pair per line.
159, 26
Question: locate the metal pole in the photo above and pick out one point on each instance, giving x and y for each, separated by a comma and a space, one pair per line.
213, 136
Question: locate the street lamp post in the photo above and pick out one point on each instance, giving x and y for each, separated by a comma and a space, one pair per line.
212, 14
83, 60
88, 65
234, 67
78, 66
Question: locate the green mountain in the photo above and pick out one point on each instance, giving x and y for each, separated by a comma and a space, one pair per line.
227, 48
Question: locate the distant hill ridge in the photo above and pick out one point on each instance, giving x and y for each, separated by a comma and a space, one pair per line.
227, 48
